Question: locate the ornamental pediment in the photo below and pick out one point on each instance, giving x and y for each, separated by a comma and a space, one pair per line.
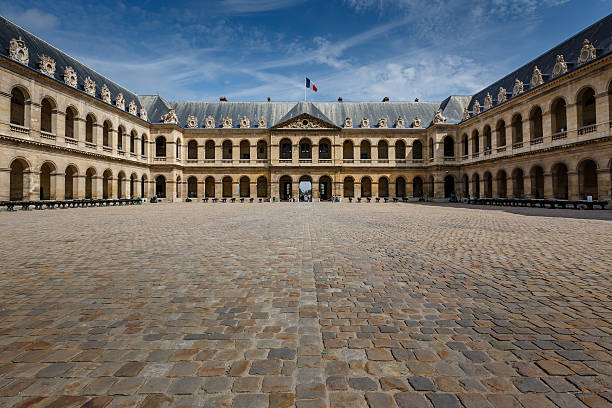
306, 122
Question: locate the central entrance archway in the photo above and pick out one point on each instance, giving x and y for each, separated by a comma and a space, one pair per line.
305, 187
284, 188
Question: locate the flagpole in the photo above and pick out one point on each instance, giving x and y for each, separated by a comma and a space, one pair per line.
304, 89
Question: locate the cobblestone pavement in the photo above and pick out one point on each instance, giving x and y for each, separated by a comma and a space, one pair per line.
312, 305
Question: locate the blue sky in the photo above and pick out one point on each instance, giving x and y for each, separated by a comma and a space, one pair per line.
362, 50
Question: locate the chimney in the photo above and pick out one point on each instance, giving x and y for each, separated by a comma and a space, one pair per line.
268, 99
223, 99
339, 99
386, 99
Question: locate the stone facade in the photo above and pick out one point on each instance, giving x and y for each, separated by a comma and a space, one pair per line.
58, 141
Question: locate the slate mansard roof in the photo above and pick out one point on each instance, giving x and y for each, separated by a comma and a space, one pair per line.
37, 47
599, 34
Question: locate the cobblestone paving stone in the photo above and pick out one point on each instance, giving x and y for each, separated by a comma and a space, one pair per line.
307, 305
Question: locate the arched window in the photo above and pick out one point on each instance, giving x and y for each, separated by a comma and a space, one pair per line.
160, 147
400, 150
46, 115
366, 187
535, 121
90, 122
192, 150
487, 137
500, 129
209, 187
431, 148
383, 150
133, 141
466, 144
517, 130
559, 116
227, 187
227, 150
178, 148
70, 128
383, 187
244, 187
449, 147
586, 108
192, 187
305, 149
209, 150
417, 150
475, 142
324, 149
245, 150
348, 150
18, 103
120, 133
400, 187
349, 187
365, 152
285, 150
262, 150
143, 145
106, 129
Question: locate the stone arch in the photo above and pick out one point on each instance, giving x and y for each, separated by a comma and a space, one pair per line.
536, 175
48, 109
133, 136
417, 187
383, 150
517, 129
417, 150
558, 116
209, 187
285, 150
160, 148
430, 148
449, 186
366, 186
535, 124
466, 144
449, 146
107, 128
244, 187
133, 181
585, 102
501, 180
500, 130
400, 187
476, 185
487, 179
466, 186
227, 150
209, 150
587, 178
107, 186
19, 182
70, 128
47, 180
178, 148
192, 150
120, 137
160, 186
325, 149
518, 183
20, 103
262, 151
90, 123
70, 184
475, 141
383, 187
325, 188
245, 150
227, 187
348, 186
143, 185
430, 186
560, 185
488, 137
262, 187
365, 150
285, 187
143, 144
400, 150
305, 149
120, 184
348, 150
90, 175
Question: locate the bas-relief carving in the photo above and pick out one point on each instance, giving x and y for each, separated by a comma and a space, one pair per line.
47, 65
587, 53
382, 122
476, 108
170, 117
70, 77
438, 118
348, 122
132, 108
306, 123
226, 122
399, 123
560, 67
518, 87
143, 114
261, 123
466, 114
90, 86
120, 102
105, 93
417, 122
209, 123
536, 78
18, 51
502, 95
365, 122
245, 122
488, 101
192, 122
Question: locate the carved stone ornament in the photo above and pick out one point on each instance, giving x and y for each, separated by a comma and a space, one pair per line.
303, 122
365, 122
170, 117
132, 108
192, 122
417, 122
143, 114
399, 123
560, 67
382, 122
209, 123
105, 93
438, 118
587, 53
502, 95
476, 108
261, 123
348, 122
120, 102
227, 122
518, 87
47, 65
245, 122
90, 86
18, 51
488, 101
466, 114
536, 78
70, 77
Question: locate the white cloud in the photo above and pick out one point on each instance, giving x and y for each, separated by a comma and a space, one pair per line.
257, 6
33, 19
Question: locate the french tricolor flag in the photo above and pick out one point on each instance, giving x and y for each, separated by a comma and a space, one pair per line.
309, 84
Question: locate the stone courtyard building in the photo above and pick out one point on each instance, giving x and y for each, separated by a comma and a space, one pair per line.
542, 131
